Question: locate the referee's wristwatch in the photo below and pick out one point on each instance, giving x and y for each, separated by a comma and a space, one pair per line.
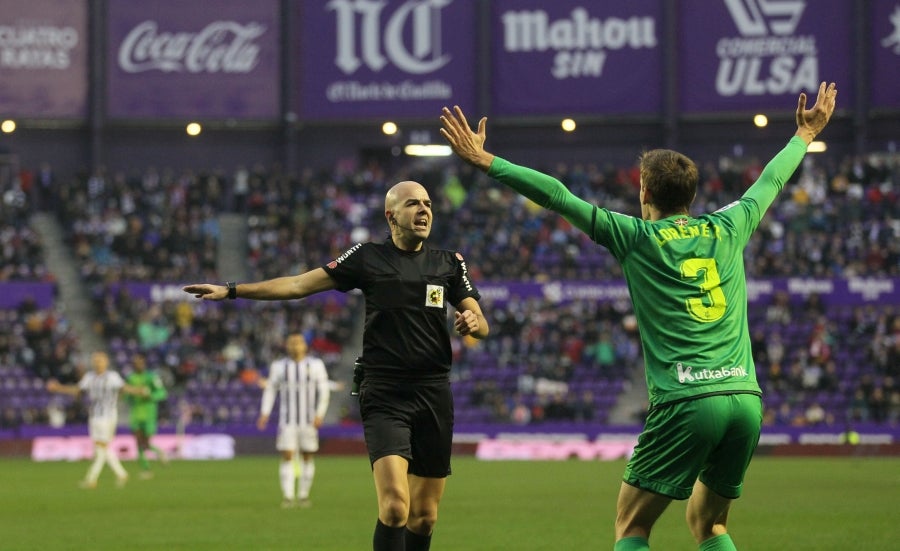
232, 289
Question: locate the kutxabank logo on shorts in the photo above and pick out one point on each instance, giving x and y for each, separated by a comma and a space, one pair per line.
767, 58
370, 36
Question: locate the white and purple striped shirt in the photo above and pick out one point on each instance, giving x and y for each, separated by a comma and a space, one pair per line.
303, 391
103, 393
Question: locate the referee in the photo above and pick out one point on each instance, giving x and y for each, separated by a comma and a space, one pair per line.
405, 400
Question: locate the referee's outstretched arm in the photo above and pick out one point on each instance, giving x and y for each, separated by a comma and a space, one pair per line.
280, 288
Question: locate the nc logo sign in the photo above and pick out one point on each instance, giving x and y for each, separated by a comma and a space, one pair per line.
367, 34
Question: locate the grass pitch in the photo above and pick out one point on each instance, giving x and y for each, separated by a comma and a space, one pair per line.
816, 504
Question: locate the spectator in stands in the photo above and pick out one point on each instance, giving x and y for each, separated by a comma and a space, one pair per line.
660, 253
815, 414
894, 406
406, 356
584, 408
878, 405
779, 312
858, 406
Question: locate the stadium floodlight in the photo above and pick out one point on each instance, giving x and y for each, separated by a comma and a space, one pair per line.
193, 129
568, 125
8, 126
389, 128
428, 150
760, 120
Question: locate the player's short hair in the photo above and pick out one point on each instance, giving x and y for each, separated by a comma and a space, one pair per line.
671, 177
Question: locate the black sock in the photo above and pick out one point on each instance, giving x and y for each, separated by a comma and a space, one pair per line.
387, 538
415, 542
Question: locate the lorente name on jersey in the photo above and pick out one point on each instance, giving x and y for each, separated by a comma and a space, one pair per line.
686, 373
687, 232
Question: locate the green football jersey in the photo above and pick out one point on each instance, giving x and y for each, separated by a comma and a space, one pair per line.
685, 275
144, 408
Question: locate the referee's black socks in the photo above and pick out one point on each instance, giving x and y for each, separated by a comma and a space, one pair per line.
415, 542
389, 539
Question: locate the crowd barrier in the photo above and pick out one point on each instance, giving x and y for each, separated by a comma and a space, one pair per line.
549, 441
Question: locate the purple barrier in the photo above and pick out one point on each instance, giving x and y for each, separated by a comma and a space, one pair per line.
869, 432
14, 293
833, 292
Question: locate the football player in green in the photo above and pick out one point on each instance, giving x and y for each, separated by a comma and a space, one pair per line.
686, 277
144, 411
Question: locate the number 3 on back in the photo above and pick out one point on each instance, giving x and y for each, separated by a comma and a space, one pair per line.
710, 306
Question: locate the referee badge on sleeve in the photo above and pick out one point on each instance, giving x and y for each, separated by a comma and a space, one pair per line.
434, 296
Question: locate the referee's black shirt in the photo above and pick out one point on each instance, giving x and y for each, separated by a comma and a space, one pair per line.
407, 333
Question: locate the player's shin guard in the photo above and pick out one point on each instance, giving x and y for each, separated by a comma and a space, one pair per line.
416, 542
287, 477
387, 538
718, 543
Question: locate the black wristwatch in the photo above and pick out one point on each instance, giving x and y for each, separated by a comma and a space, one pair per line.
232, 289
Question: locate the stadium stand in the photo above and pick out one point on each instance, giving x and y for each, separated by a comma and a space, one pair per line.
545, 361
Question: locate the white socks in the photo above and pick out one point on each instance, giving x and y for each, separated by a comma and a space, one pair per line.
287, 477
97, 465
112, 459
308, 470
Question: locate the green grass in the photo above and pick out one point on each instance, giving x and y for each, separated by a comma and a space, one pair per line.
816, 504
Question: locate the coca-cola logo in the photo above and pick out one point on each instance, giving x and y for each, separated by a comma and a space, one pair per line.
220, 47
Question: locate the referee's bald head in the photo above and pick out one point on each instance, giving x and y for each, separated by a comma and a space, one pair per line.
400, 191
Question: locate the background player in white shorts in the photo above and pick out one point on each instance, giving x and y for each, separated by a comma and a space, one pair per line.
102, 388
303, 391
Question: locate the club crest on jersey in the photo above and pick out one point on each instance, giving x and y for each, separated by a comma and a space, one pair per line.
434, 296
682, 222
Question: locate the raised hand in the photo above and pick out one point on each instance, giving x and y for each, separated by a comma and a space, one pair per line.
468, 145
811, 121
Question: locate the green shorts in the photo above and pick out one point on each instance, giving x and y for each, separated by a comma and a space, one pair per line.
712, 438
147, 426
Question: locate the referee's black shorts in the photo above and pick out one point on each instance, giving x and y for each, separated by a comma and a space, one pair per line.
412, 419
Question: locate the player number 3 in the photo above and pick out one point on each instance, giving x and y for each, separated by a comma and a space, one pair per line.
711, 305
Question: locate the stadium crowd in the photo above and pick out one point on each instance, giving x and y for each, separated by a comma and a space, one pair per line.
544, 361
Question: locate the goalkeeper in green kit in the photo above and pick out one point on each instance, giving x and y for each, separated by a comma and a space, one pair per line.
144, 412
685, 275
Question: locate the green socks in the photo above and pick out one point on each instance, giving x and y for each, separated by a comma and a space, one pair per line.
142, 460
634, 543
718, 543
